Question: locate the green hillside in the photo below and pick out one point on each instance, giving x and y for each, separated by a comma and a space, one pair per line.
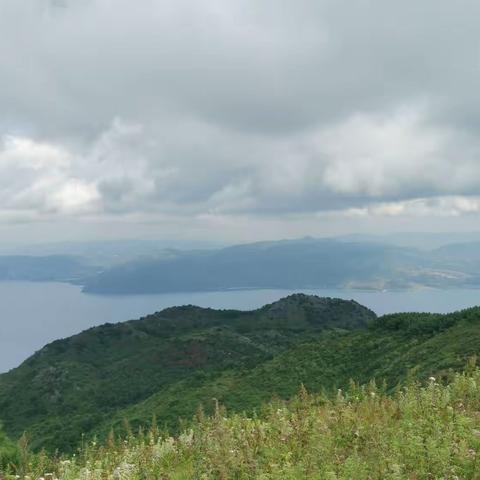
170, 363
391, 350
421, 432
75, 386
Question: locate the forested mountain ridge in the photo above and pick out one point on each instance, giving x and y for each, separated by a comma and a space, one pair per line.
75, 385
169, 363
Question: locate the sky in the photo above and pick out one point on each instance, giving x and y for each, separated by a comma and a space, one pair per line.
240, 120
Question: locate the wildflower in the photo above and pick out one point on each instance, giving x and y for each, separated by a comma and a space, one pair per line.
124, 470
186, 438
432, 379
165, 447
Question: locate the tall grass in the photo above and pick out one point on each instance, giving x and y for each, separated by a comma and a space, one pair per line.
428, 431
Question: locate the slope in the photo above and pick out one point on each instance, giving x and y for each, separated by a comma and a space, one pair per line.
422, 431
391, 350
74, 385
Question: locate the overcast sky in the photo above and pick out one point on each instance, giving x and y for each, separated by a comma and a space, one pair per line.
237, 120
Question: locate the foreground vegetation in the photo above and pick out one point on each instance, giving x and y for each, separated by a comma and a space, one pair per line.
8, 451
419, 432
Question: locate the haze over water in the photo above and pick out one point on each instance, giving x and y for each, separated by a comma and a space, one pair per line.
34, 314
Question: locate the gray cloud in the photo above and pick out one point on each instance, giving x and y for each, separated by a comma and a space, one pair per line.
178, 112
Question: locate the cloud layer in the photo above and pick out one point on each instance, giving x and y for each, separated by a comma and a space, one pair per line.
179, 112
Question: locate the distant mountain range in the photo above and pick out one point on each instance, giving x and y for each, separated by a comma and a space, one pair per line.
170, 363
294, 264
307, 263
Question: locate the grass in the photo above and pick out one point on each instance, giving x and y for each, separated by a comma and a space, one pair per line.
421, 431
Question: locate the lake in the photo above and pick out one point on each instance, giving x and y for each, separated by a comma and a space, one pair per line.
33, 314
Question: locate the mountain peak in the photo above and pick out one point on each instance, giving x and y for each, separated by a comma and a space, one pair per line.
322, 312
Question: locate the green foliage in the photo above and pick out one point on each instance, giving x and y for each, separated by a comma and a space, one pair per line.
78, 385
170, 363
422, 431
324, 362
100, 386
9, 453
425, 323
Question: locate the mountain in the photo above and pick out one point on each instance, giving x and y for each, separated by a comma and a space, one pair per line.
391, 349
421, 240
169, 363
104, 253
59, 268
307, 263
292, 264
77, 385
465, 255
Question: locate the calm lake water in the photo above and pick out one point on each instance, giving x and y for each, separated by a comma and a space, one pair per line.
33, 314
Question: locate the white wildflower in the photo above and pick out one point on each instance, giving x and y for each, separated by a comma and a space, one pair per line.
165, 447
186, 438
124, 471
